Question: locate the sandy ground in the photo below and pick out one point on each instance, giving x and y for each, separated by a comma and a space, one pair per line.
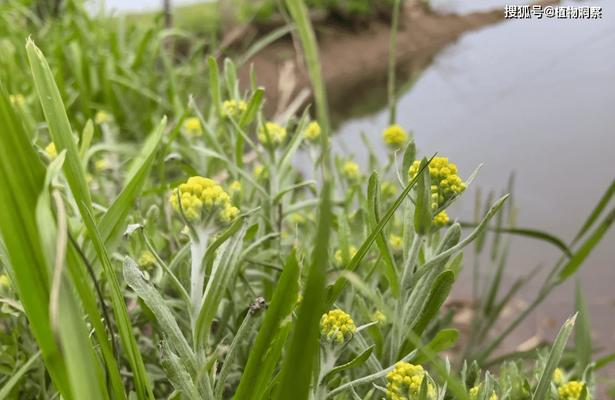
353, 60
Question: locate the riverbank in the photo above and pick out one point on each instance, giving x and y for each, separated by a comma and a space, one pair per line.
355, 62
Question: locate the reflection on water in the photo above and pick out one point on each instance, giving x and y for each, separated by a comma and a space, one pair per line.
534, 97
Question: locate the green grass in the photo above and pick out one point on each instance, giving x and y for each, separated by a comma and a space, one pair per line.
123, 276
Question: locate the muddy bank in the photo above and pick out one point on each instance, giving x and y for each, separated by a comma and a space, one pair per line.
355, 61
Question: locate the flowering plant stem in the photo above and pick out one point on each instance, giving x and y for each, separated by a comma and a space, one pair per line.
198, 248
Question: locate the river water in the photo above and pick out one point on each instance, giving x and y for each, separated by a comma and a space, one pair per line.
533, 97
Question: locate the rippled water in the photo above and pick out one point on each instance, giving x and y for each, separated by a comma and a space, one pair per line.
533, 97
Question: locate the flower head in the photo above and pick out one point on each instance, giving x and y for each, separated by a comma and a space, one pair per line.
259, 172
51, 151
17, 100
102, 117
396, 242
350, 170
5, 282
272, 134
192, 126
337, 326
558, 376
405, 380
394, 136
234, 108
234, 187
339, 259
388, 189
445, 183
379, 316
146, 259
296, 218
202, 198
101, 165
312, 131
474, 393
571, 390
441, 219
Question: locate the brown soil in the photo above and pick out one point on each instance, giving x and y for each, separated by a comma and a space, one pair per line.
355, 61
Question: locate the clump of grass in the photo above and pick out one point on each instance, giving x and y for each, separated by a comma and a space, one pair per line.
187, 256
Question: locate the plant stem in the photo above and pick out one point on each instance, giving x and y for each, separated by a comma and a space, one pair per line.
392, 63
198, 247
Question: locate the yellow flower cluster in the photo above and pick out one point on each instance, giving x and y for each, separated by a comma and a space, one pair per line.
396, 242
441, 219
558, 376
312, 131
445, 183
388, 189
234, 108
296, 219
260, 172
379, 316
202, 198
337, 326
405, 380
51, 150
474, 393
146, 259
102, 165
192, 126
352, 251
272, 133
394, 136
5, 283
571, 390
235, 187
17, 100
102, 117
350, 170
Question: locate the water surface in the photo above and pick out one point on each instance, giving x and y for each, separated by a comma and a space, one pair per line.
533, 97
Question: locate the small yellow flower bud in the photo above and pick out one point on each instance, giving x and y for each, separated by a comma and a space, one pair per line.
571, 390
51, 151
350, 170
192, 126
396, 242
259, 172
102, 117
352, 251
146, 259
474, 393
337, 326
441, 219
234, 108
5, 282
17, 100
312, 131
272, 134
101, 165
558, 376
394, 136
388, 189
379, 316
296, 219
405, 380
